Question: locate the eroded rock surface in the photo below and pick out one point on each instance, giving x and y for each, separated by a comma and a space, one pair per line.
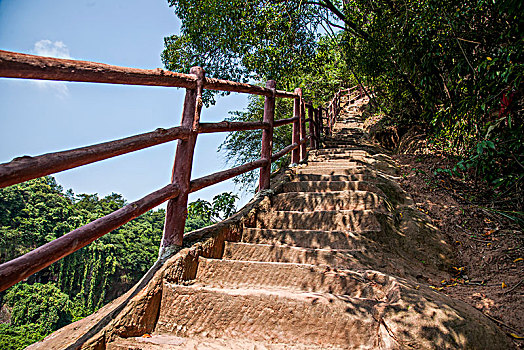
337, 258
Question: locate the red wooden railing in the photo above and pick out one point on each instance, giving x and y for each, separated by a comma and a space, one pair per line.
17, 65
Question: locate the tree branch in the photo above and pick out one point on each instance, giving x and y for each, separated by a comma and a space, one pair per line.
354, 28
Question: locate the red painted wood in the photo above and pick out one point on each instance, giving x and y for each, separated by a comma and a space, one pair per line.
312, 133
303, 147
284, 151
176, 212
226, 85
23, 66
297, 108
27, 168
267, 138
320, 125
227, 126
24, 266
318, 115
281, 122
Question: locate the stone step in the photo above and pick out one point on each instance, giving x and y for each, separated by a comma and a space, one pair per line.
351, 169
352, 141
344, 131
329, 186
338, 220
362, 176
347, 150
349, 156
336, 200
337, 258
315, 239
350, 161
397, 315
229, 274
167, 341
347, 171
376, 183
354, 170
344, 152
341, 127
341, 164
358, 145
276, 316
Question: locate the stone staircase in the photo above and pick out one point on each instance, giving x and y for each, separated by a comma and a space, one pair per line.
338, 259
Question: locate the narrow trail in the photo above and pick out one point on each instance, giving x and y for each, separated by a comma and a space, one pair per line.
338, 258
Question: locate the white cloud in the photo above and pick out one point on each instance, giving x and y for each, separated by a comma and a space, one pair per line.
52, 49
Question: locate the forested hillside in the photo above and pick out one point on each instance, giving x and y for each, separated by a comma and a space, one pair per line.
38, 211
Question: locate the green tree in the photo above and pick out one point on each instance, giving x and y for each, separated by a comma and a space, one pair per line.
42, 304
201, 213
19, 337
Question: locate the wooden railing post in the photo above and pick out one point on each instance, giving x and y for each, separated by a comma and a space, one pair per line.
319, 125
312, 133
297, 107
176, 212
267, 137
303, 146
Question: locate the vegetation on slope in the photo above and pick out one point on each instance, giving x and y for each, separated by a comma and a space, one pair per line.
38, 211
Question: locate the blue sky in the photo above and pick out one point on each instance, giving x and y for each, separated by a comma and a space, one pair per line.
40, 117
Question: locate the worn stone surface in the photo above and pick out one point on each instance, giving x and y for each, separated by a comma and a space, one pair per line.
336, 258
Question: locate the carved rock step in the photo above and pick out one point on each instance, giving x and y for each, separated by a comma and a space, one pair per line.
352, 161
352, 116
286, 254
314, 239
366, 175
347, 150
352, 168
347, 171
232, 274
349, 154
166, 341
329, 186
396, 316
341, 200
340, 134
349, 126
389, 168
342, 159
329, 145
268, 316
347, 140
345, 131
338, 220
342, 152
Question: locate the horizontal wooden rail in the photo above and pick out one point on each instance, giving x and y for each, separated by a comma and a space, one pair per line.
24, 266
281, 122
284, 151
24, 66
288, 149
17, 65
27, 168
226, 85
227, 126
220, 176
